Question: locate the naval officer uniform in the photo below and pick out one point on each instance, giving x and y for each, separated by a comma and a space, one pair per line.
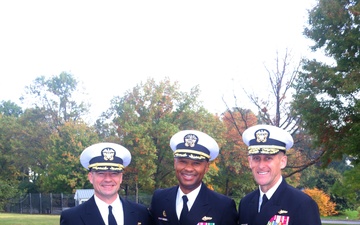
280, 204
202, 206
107, 161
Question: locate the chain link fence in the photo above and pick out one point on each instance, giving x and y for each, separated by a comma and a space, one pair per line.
40, 203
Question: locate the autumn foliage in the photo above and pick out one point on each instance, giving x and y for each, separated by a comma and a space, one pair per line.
326, 207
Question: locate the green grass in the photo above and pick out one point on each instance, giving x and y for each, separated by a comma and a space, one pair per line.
36, 219
344, 215
28, 219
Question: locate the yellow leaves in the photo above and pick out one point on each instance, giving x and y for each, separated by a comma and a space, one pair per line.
211, 187
214, 166
326, 206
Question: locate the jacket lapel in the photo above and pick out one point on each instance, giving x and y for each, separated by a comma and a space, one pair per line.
201, 205
253, 205
273, 206
91, 214
129, 211
170, 202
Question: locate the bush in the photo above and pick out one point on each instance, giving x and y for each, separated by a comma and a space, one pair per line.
326, 207
7, 191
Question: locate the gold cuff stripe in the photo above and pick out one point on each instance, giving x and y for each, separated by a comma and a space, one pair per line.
192, 152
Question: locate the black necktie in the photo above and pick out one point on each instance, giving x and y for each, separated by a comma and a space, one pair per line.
185, 210
111, 217
264, 200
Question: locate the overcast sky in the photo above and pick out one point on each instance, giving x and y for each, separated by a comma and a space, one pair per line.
111, 46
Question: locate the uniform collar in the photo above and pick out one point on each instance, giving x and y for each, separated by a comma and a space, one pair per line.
104, 209
191, 196
272, 190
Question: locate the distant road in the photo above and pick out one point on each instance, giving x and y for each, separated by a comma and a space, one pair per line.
340, 221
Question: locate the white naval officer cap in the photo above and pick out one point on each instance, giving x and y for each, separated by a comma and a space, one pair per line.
105, 156
267, 139
195, 145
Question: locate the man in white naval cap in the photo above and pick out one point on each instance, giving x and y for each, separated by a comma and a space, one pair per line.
105, 163
192, 202
275, 201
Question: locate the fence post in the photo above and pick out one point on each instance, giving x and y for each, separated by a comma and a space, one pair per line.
20, 204
51, 203
136, 192
31, 210
40, 210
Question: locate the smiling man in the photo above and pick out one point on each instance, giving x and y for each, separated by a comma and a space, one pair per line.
192, 202
275, 202
105, 163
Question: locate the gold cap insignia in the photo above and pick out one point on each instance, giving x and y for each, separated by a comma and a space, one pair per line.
108, 154
205, 218
261, 135
282, 211
190, 140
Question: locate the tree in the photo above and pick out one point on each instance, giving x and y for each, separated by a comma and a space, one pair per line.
56, 96
8, 190
64, 173
30, 147
277, 111
323, 179
235, 177
30, 141
327, 96
8, 108
9, 176
23, 155
348, 187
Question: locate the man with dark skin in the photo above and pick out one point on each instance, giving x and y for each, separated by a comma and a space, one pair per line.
192, 152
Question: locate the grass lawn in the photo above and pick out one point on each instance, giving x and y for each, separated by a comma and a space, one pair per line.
345, 215
36, 219
28, 219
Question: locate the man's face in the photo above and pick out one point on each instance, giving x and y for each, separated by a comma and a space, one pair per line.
266, 169
190, 173
106, 184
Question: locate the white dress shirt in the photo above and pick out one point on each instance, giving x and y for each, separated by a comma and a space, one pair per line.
117, 210
191, 199
269, 193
